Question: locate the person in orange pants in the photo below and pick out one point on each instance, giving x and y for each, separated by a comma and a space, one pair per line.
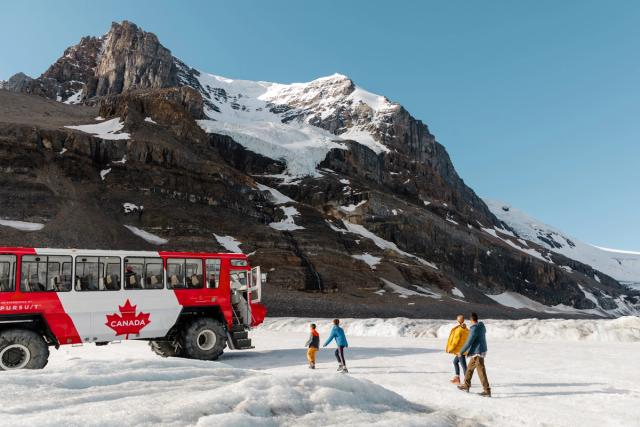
313, 343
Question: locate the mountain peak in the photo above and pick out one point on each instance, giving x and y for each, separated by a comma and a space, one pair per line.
131, 58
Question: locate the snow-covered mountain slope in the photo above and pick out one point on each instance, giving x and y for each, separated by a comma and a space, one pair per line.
623, 266
293, 122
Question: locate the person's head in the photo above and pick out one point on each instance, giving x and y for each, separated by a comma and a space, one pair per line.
474, 318
460, 319
336, 322
129, 268
313, 326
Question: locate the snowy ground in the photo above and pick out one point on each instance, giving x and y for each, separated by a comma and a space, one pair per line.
562, 373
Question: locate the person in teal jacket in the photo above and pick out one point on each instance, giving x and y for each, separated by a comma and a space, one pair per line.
337, 333
476, 350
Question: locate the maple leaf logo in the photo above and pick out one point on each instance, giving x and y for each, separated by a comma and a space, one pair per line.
127, 322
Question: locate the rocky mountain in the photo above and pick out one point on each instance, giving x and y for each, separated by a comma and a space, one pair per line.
347, 201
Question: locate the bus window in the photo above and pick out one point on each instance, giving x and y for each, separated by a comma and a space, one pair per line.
7, 273
184, 273
213, 273
112, 274
97, 273
143, 273
193, 273
45, 274
175, 275
88, 272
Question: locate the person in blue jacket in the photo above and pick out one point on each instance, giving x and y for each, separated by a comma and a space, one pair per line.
337, 333
476, 349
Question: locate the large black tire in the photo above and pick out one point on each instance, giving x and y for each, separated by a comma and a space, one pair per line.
22, 349
164, 348
203, 339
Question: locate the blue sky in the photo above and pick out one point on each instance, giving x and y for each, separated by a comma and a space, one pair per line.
537, 102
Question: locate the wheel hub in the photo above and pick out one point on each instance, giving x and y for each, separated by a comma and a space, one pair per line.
14, 356
206, 340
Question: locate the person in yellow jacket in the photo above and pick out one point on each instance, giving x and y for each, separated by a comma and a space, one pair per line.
457, 337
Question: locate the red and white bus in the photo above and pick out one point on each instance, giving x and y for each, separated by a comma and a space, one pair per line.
185, 304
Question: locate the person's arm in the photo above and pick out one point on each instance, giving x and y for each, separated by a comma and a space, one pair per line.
332, 335
467, 345
309, 341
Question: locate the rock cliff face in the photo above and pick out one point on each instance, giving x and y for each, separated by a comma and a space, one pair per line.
131, 59
347, 201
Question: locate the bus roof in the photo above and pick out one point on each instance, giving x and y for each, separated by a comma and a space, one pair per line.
123, 253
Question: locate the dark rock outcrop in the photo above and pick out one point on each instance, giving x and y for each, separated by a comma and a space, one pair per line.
131, 59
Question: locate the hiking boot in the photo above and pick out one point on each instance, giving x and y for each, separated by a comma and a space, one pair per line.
463, 388
455, 380
486, 393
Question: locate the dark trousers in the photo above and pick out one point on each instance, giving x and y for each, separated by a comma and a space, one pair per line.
340, 356
460, 361
477, 362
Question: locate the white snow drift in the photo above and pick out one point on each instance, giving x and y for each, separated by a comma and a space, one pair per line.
623, 329
150, 391
550, 372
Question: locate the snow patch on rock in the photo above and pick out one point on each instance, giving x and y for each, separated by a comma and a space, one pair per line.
131, 208
352, 207
287, 223
406, 292
369, 259
457, 292
276, 197
145, 235
109, 129
21, 225
229, 243
380, 242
